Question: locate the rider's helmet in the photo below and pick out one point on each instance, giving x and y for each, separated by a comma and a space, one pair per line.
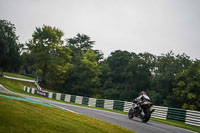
143, 93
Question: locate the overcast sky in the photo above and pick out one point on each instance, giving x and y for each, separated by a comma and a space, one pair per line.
154, 26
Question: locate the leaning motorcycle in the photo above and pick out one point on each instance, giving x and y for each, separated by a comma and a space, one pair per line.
142, 110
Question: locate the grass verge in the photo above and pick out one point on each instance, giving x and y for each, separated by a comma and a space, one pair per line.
22, 117
15, 85
3, 93
26, 77
17, 76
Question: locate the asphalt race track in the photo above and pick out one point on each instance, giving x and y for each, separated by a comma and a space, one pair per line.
115, 118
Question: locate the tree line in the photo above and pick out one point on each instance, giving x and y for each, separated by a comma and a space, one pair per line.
73, 66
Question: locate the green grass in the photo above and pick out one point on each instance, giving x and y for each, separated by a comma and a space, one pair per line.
3, 93
17, 86
24, 117
18, 76
26, 77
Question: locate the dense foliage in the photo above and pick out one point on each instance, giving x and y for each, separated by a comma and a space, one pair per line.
74, 67
51, 61
9, 47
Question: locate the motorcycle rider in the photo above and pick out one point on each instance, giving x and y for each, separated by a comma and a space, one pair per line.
143, 96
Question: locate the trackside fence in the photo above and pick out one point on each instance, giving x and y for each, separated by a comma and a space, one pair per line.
165, 113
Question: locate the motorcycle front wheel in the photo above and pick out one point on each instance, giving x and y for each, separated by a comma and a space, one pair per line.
130, 113
146, 116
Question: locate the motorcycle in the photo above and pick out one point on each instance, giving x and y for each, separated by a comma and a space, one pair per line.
142, 110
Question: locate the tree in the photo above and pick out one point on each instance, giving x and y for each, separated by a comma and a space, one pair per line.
117, 63
9, 47
113, 78
59, 67
84, 75
138, 76
80, 42
27, 66
51, 58
150, 61
187, 88
163, 81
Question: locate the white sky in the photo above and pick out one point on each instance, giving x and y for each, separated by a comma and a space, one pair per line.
154, 26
